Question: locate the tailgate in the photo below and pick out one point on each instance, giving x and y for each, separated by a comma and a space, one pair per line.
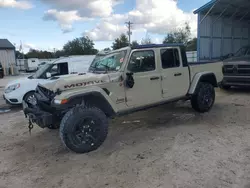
214, 67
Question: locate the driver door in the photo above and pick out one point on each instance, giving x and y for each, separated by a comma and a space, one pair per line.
147, 83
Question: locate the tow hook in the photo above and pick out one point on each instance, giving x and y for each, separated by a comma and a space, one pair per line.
30, 126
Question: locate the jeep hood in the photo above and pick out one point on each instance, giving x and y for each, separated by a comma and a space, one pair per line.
77, 81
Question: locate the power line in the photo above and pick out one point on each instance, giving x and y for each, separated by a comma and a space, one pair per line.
129, 24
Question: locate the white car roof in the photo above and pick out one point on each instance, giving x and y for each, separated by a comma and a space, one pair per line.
88, 58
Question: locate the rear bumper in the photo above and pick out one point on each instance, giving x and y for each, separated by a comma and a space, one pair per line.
36, 115
236, 81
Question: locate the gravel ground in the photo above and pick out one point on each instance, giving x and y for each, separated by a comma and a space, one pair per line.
169, 146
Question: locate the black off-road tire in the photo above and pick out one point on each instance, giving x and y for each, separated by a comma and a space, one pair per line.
72, 121
1, 75
204, 97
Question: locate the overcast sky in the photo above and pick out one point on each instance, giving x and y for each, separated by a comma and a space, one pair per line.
48, 24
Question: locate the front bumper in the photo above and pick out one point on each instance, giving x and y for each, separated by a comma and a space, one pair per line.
36, 115
236, 81
12, 98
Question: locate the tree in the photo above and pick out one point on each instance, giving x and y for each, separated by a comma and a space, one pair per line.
80, 46
106, 49
120, 42
181, 35
19, 55
59, 53
134, 44
192, 45
39, 54
146, 40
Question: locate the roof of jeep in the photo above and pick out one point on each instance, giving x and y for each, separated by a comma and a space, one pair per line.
157, 45
144, 46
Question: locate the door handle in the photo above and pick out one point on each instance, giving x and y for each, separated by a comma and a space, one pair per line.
177, 74
155, 78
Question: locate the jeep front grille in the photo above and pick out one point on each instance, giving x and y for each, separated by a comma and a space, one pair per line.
44, 93
234, 70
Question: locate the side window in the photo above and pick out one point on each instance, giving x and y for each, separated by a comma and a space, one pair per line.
142, 61
170, 58
54, 69
59, 69
63, 69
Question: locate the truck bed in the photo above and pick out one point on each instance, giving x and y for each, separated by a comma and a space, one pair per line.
215, 67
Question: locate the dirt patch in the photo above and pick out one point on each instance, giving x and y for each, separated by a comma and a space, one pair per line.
169, 146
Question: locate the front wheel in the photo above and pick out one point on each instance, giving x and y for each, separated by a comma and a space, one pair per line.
84, 129
204, 97
30, 98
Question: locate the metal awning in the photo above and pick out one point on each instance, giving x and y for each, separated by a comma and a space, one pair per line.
237, 9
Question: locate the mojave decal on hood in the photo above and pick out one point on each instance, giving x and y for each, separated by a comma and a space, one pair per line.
77, 81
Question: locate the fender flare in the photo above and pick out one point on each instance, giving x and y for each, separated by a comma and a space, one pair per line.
202, 76
99, 98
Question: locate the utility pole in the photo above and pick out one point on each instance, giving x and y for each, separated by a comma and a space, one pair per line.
129, 24
54, 52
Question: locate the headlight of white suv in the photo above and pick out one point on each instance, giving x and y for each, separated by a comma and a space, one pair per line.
12, 88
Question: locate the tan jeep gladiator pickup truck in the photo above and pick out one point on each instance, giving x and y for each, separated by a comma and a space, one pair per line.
119, 82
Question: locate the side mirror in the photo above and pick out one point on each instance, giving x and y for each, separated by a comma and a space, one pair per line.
129, 82
48, 74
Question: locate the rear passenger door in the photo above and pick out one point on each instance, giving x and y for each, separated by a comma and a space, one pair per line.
175, 74
146, 75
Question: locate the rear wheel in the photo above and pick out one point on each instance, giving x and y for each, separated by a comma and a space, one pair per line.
204, 97
84, 129
1, 75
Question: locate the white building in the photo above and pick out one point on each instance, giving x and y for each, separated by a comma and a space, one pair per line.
7, 55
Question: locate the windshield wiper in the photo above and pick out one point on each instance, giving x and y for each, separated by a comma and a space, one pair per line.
107, 67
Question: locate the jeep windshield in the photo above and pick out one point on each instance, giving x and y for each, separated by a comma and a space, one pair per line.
109, 62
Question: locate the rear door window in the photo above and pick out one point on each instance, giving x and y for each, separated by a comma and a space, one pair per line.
170, 58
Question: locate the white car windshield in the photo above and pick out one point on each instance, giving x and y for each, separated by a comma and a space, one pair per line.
41, 71
110, 62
